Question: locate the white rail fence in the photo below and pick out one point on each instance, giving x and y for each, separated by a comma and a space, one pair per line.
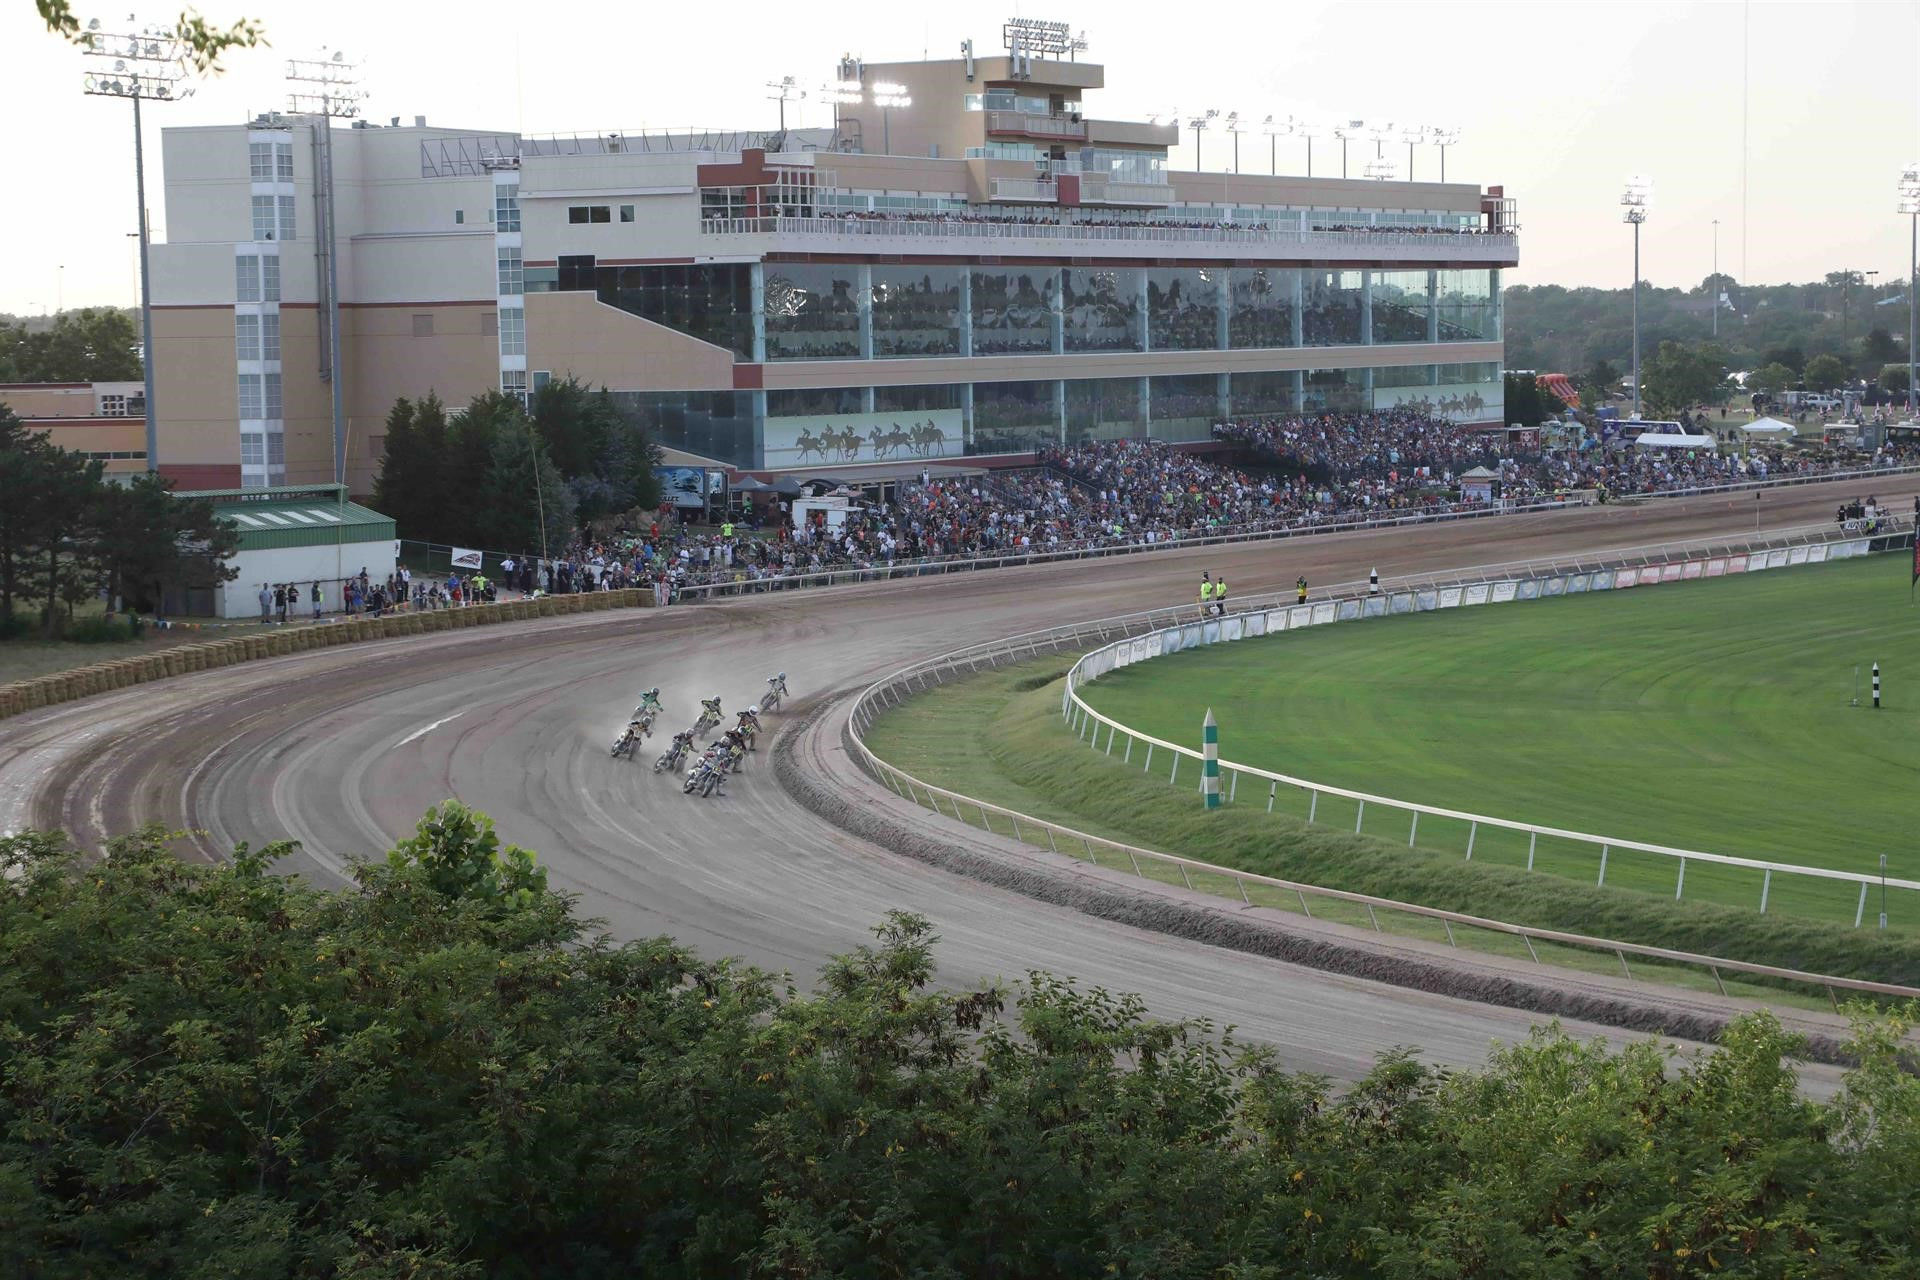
1494, 585
1253, 889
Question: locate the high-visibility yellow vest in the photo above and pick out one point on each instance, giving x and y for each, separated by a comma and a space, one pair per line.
1206, 591
726, 530
1220, 589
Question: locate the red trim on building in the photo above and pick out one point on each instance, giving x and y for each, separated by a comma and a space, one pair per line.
749, 377
202, 475
47, 386
1066, 190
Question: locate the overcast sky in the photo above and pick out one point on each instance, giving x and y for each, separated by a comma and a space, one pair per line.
1558, 100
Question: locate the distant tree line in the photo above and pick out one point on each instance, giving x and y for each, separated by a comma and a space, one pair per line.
94, 344
67, 534
442, 1073
1832, 332
487, 475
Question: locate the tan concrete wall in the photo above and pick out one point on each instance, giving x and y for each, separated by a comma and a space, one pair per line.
898, 173
100, 436
575, 333
781, 375
386, 362
196, 400
1328, 193
50, 400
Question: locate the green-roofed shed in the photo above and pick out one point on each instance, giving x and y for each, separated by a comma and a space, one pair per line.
298, 535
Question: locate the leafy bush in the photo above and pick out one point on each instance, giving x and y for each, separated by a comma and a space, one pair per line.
101, 631
440, 1073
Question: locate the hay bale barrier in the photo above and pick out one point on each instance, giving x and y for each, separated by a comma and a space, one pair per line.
22, 696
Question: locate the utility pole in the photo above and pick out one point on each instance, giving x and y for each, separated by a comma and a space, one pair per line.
1636, 203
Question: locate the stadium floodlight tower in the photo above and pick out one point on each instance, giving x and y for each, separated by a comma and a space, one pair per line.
1310, 129
1235, 127
1275, 130
1346, 131
1635, 203
1910, 205
1381, 169
1413, 135
147, 64
786, 89
1444, 136
1199, 125
326, 88
886, 96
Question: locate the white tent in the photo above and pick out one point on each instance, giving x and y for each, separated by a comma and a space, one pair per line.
1770, 427
1673, 440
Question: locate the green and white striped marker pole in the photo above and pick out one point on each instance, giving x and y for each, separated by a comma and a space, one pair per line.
1210, 769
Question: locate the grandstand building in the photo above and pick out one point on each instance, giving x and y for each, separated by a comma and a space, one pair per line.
986, 269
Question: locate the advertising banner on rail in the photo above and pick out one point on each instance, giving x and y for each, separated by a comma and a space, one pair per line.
466, 558
823, 439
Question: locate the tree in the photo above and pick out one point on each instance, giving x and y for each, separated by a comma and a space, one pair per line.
413, 485
93, 344
1680, 375
605, 455
523, 488
442, 1072
1893, 377
1602, 377
1824, 373
1770, 379
150, 542
202, 43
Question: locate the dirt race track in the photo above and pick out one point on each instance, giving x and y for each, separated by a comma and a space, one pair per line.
342, 749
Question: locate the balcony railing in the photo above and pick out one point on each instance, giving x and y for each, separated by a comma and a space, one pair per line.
1048, 237
1134, 194
1023, 189
1033, 125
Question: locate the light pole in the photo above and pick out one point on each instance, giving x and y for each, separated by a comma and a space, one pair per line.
785, 88
1236, 128
1345, 131
1199, 125
1413, 135
1635, 203
1444, 138
1910, 205
1273, 129
334, 90
887, 96
147, 64
839, 93
1714, 284
1310, 129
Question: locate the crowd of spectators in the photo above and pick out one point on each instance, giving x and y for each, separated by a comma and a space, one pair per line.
1316, 470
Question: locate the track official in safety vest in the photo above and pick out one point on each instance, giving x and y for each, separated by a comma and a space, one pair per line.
1206, 593
726, 530
1301, 586
1220, 597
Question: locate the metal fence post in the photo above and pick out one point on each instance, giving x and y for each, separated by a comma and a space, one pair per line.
1603, 866
1681, 882
1171, 777
1766, 883
1623, 964
1306, 910
1530, 951
1413, 830
1533, 839
1473, 830
1149, 761
1373, 918
1313, 805
1861, 910
1272, 791
1359, 816
1448, 926
1127, 758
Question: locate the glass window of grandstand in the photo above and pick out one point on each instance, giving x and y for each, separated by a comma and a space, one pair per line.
246, 337
1400, 306
506, 207
512, 271
1258, 395
513, 332
1403, 387
269, 277
265, 214
580, 214
812, 312
1183, 406
715, 424
916, 311
931, 397
1264, 299
1330, 303
1102, 309
252, 401
1335, 391
1013, 310
710, 302
1104, 409
1465, 302
1014, 417
270, 161
1183, 309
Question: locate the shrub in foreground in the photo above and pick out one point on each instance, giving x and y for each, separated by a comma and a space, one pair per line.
443, 1072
